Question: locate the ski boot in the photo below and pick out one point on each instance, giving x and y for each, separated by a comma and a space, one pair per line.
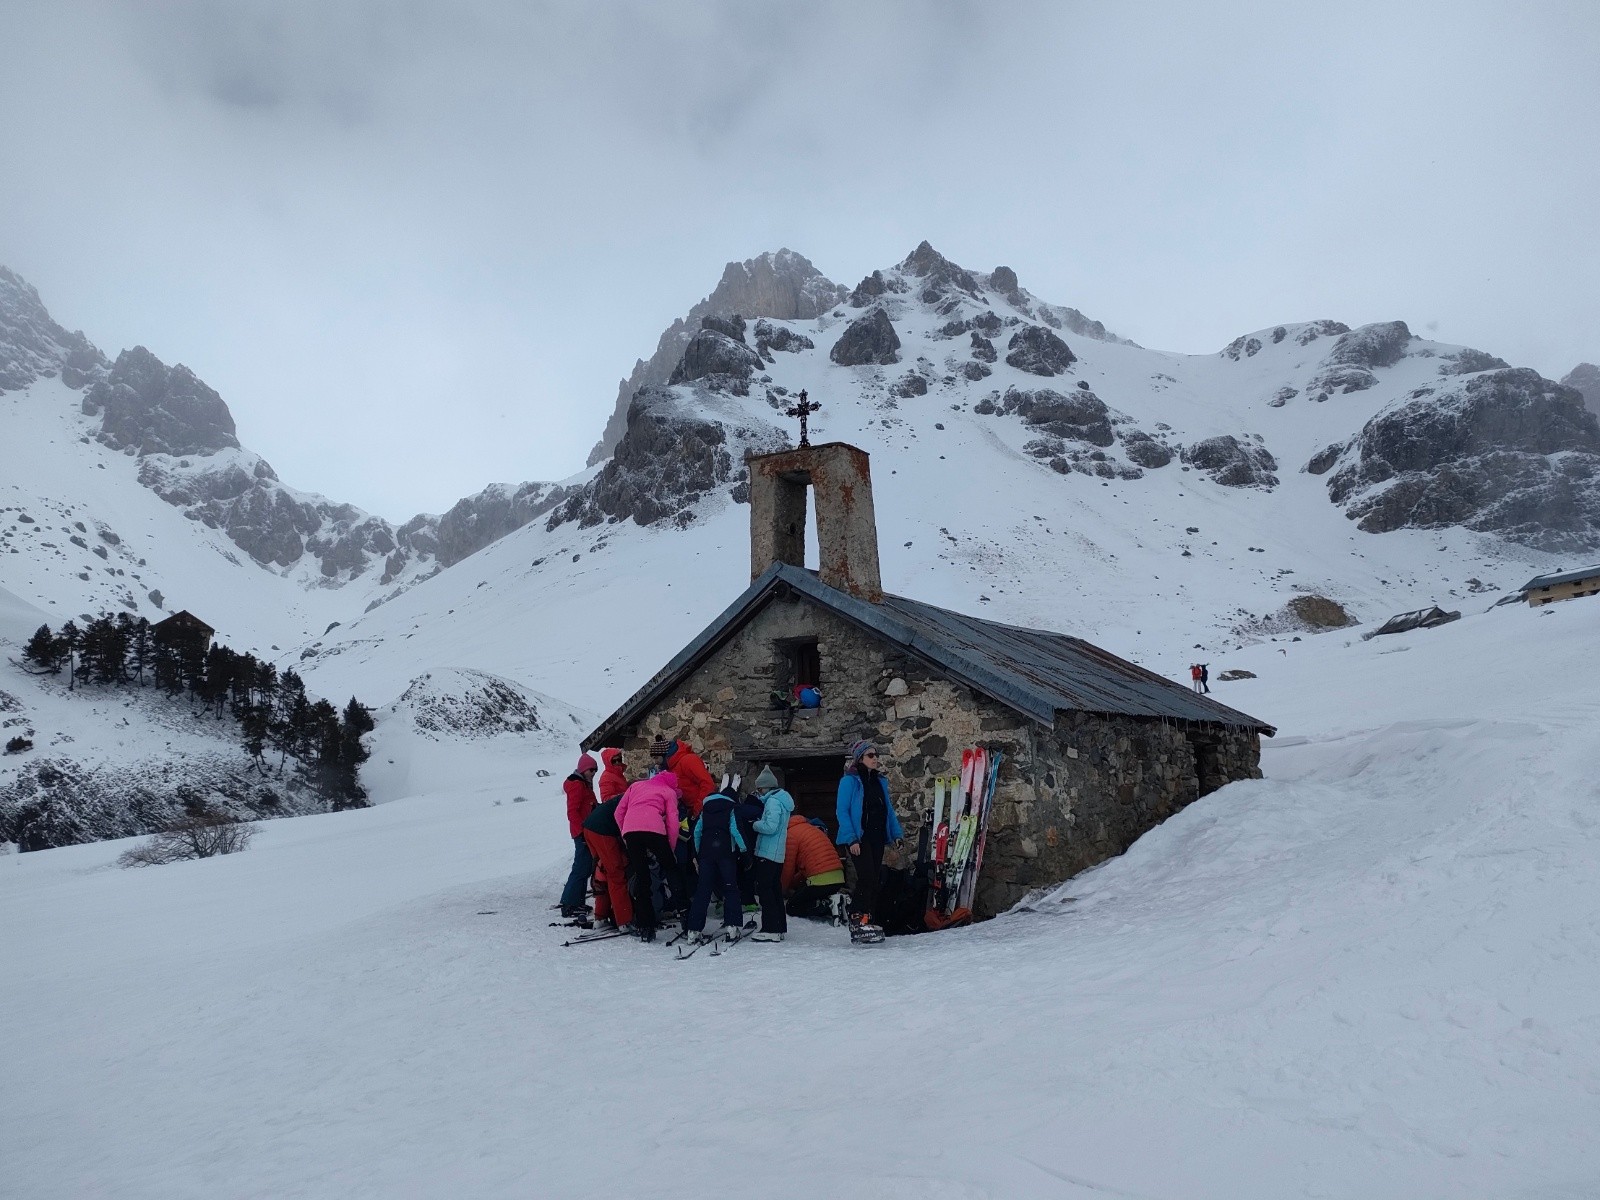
863, 932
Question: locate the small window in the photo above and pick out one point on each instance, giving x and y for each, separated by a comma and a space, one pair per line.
798, 668
807, 664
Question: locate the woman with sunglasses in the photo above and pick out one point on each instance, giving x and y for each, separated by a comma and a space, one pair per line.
867, 824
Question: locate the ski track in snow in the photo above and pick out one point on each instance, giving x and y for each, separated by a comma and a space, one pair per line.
1371, 974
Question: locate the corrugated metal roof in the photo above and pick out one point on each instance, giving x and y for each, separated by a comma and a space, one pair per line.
1541, 581
1033, 671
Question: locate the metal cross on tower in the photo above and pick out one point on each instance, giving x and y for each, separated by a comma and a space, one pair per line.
802, 408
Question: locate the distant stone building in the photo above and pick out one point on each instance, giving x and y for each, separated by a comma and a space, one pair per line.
1564, 585
1096, 750
182, 626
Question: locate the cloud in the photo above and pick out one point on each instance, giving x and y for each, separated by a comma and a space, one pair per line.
415, 243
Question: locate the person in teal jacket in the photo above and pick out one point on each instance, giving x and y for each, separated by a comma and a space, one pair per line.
867, 825
772, 838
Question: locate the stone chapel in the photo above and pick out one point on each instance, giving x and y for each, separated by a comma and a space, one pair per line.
1096, 750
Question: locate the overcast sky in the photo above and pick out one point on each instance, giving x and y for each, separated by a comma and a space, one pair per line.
415, 243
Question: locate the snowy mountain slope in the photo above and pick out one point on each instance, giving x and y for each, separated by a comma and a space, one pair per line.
62, 403
1369, 974
991, 496
111, 762
80, 534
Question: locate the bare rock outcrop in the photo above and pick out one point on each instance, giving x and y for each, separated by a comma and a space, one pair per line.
33, 346
868, 340
675, 453
1232, 462
1504, 452
1038, 351
782, 285
157, 409
1585, 377
718, 360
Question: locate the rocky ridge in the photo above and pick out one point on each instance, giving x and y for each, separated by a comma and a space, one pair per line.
33, 346
188, 450
1479, 445
1586, 378
781, 285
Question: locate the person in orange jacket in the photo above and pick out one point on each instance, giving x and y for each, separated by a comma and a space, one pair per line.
812, 871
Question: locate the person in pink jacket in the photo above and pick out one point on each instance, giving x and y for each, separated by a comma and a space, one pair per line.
647, 814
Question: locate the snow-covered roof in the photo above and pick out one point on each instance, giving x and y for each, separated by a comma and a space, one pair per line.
1543, 581
1034, 671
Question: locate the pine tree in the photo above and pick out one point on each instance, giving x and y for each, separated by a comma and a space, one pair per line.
217, 678
67, 648
139, 649
286, 728
253, 722
356, 721
164, 664
327, 743
41, 651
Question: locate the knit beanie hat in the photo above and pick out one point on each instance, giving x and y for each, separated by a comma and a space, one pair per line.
768, 780
662, 748
857, 749
586, 762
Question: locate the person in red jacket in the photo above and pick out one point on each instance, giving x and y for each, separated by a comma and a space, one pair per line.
693, 779
613, 778
579, 787
694, 784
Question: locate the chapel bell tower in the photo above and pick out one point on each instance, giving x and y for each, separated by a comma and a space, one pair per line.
840, 477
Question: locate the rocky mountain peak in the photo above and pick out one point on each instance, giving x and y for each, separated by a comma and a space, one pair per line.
780, 284
157, 409
33, 346
1585, 377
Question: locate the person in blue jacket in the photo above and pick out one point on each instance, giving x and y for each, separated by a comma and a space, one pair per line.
718, 843
867, 824
772, 839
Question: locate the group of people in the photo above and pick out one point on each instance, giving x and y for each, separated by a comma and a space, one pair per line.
672, 842
1200, 676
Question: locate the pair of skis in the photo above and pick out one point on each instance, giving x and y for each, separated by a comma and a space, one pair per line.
719, 943
605, 935
959, 821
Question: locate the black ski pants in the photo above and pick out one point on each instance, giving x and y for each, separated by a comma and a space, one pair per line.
869, 875
769, 893
717, 870
642, 847
810, 901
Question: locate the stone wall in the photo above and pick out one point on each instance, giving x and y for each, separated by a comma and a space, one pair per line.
1066, 798
1098, 783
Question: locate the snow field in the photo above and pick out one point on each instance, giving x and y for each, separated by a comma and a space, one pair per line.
1371, 974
